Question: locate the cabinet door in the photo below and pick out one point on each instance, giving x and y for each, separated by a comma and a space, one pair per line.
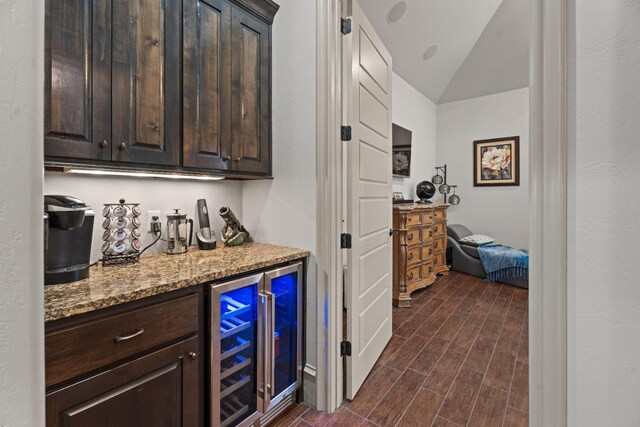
146, 81
251, 94
78, 79
207, 84
160, 389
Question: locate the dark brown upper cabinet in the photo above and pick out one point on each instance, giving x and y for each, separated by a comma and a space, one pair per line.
78, 79
146, 81
251, 93
207, 84
117, 70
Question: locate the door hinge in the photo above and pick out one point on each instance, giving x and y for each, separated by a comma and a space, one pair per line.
345, 133
345, 348
345, 26
345, 241
392, 232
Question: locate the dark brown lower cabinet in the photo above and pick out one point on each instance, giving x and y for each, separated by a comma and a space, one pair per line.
159, 389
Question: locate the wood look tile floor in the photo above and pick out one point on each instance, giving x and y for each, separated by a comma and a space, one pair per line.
458, 357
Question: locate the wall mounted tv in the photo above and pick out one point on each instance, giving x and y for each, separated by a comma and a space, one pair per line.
401, 151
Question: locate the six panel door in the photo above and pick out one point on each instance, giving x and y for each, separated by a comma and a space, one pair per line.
207, 84
250, 105
146, 81
78, 79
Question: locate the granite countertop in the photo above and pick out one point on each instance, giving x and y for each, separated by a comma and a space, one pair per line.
157, 274
411, 206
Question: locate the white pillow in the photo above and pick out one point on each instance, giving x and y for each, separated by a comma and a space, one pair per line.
477, 240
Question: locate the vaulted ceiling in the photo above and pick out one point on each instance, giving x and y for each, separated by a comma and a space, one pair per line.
455, 49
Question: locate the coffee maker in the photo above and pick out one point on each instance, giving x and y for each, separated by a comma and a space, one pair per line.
67, 242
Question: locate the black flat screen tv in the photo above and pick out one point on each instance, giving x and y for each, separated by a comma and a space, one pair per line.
401, 151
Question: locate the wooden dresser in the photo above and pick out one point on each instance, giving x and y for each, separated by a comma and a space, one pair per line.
419, 245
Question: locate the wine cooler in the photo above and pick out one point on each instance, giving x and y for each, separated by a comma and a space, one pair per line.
256, 344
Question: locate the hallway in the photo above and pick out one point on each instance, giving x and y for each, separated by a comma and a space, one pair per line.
458, 357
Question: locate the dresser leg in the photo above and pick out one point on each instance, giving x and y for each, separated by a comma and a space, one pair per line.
402, 301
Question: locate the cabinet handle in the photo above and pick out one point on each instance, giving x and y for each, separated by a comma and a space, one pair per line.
430, 251
128, 337
410, 257
226, 158
193, 355
103, 144
238, 159
410, 236
243, 114
123, 146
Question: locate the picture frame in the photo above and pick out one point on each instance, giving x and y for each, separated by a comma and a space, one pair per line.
397, 195
496, 162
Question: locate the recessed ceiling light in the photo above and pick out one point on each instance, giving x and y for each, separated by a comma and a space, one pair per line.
397, 12
430, 53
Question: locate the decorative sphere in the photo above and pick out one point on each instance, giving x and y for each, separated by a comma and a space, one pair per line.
454, 200
437, 179
425, 190
444, 189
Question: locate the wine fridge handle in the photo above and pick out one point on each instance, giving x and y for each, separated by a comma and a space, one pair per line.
272, 356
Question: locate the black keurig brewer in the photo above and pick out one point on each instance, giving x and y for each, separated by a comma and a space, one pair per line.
67, 245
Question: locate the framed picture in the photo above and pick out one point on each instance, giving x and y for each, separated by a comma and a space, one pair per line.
496, 162
402, 161
397, 195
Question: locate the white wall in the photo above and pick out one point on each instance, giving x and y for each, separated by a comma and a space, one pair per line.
604, 158
283, 211
152, 194
500, 212
21, 222
414, 111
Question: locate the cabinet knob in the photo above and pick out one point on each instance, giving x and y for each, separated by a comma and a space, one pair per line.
237, 159
103, 144
410, 257
123, 146
411, 276
410, 236
226, 158
193, 355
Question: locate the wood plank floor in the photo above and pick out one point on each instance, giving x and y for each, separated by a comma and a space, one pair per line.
458, 357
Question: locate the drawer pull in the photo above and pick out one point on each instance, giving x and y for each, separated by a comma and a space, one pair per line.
128, 337
430, 251
410, 236
430, 233
193, 355
411, 276
410, 256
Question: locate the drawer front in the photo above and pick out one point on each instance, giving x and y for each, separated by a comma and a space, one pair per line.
438, 245
427, 270
427, 217
440, 215
438, 260
412, 237
413, 255
438, 228
413, 274
427, 252
413, 219
426, 234
83, 348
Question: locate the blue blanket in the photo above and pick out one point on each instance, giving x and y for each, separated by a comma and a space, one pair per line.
503, 263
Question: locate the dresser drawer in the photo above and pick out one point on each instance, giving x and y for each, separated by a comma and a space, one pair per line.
413, 219
413, 255
427, 217
412, 236
438, 260
438, 228
427, 270
426, 234
83, 348
427, 252
413, 274
440, 215
438, 245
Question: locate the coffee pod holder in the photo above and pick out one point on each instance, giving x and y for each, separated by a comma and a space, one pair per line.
121, 236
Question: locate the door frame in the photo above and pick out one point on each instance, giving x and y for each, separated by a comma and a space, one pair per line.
548, 210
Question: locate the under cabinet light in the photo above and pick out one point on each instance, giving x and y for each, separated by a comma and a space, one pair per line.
144, 174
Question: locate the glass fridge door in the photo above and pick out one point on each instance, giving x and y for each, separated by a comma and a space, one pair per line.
236, 349
284, 367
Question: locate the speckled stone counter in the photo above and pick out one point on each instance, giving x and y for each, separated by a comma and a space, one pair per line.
157, 274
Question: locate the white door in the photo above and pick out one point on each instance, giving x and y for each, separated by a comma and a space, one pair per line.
367, 109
